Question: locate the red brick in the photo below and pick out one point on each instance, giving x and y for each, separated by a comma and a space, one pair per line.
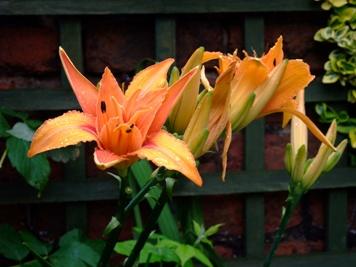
231, 215
276, 139
28, 47
48, 229
235, 35
316, 207
11, 81
119, 43
273, 210
195, 32
291, 247
224, 252
298, 30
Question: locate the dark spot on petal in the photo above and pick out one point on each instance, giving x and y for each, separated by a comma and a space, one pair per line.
274, 62
103, 107
132, 125
128, 130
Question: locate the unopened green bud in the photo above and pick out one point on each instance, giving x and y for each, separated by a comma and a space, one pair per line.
265, 91
298, 164
288, 158
335, 156
239, 114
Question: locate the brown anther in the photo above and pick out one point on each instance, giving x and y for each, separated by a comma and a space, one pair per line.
103, 106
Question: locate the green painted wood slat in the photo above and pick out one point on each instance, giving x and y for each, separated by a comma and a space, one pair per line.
315, 260
89, 7
241, 182
58, 99
254, 151
71, 40
236, 183
337, 220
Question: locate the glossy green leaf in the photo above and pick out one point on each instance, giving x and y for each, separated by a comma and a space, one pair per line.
21, 131
36, 245
4, 126
64, 154
11, 246
35, 170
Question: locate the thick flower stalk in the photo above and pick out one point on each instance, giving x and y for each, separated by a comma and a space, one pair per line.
304, 172
125, 126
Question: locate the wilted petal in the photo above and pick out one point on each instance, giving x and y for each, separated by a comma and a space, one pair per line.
163, 149
227, 144
151, 78
84, 90
69, 129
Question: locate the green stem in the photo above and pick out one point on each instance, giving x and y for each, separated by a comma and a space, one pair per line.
3, 156
124, 208
148, 229
291, 203
114, 234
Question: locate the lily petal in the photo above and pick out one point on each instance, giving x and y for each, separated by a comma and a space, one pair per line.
207, 56
250, 74
151, 78
311, 126
68, 129
220, 107
105, 159
84, 90
163, 149
173, 95
110, 96
295, 78
274, 55
227, 144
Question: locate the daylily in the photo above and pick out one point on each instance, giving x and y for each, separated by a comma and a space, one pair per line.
202, 117
266, 85
125, 126
183, 111
306, 172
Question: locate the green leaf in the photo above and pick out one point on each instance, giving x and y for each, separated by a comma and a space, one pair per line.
352, 136
4, 126
11, 246
64, 154
111, 226
15, 114
75, 254
166, 221
34, 244
330, 78
185, 253
21, 131
198, 230
70, 237
35, 170
212, 230
202, 258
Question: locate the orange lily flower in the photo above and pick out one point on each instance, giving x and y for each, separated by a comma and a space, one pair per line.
125, 126
266, 85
